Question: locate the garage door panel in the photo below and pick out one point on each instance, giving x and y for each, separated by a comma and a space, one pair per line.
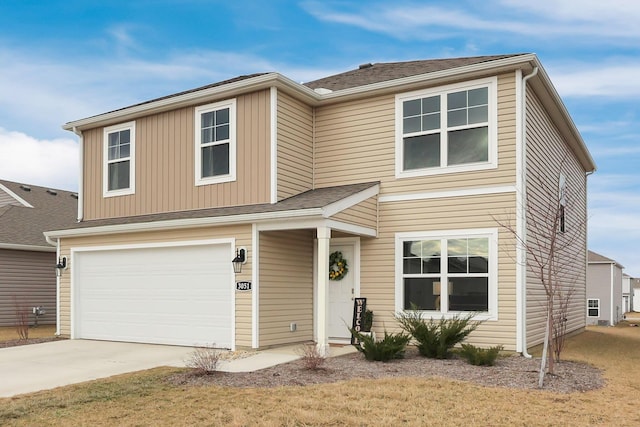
171, 295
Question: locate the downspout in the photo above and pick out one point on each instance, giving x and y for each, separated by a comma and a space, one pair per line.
611, 316
56, 243
522, 217
81, 175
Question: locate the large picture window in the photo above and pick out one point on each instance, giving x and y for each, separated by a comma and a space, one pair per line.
119, 164
215, 143
449, 273
446, 130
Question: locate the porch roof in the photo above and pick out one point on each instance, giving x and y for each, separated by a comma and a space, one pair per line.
320, 202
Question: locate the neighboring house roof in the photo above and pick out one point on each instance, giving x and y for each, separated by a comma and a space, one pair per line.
312, 202
26, 211
596, 258
384, 71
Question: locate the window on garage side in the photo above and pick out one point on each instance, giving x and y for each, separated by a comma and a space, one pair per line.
593, 307
447, 129
449, 273
215, 143
119, 160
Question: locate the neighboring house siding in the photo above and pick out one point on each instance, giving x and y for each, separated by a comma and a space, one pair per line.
355, 142
241, 234
295, 151
547, 157
364, 214
599, 287
286, 287
459, 213
165, 158
29, 279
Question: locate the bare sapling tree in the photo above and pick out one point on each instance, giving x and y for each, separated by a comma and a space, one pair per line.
554, 244
22, 318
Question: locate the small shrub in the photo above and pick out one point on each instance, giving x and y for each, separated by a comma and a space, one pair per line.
480, 356
22, 318
204, 360
436, 338
392, 346
367, 321
312, 359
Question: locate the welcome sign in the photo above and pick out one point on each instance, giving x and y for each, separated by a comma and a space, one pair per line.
359, 307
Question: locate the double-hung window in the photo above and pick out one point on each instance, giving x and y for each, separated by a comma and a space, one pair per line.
448, 129
593, 307
451, 272
119, 160
215, 143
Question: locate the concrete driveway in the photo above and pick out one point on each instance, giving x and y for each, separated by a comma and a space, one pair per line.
30, 368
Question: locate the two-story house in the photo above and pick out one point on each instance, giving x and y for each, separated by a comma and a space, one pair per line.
390, 176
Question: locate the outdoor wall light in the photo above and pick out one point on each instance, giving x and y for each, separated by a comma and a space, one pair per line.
241, 258
62, 262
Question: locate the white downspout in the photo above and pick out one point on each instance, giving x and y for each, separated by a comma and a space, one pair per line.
521, 220
611, 315
81, 175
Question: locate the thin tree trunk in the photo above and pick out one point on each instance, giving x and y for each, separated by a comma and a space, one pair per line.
545, 349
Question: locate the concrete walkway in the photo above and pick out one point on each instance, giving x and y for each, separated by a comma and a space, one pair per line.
30, 368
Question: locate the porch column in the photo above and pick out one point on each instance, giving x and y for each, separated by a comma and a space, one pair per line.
324, 240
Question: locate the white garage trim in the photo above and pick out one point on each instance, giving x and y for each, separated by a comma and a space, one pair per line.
229, 251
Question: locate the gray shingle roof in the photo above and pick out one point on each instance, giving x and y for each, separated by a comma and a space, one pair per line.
311, 199
21, 225
384, 71
596, 258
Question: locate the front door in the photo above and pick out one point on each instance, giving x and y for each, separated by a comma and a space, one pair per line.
341, 294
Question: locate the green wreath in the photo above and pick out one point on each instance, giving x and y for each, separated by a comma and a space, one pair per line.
338, 267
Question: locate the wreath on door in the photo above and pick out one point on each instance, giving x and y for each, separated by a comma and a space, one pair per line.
338, 267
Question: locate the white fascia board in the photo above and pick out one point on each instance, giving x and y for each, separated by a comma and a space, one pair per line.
463, 192
350, 201
33, 248
18, 199
185, 223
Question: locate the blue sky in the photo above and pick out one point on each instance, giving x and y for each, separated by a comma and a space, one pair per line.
65, 60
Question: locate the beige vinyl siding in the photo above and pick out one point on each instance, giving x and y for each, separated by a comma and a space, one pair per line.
545, 153
295, 151
165, 161
286, 287
27, 278
364, 214
241, 234
355, 142
459, 213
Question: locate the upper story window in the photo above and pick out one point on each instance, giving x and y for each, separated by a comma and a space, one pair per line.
448, 129
119, 159
215, 140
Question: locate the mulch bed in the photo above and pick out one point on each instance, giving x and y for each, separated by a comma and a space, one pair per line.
512, 371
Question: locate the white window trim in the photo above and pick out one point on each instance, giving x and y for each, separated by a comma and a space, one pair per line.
490, 233
492, 162
593, 299
131, 126
231, 176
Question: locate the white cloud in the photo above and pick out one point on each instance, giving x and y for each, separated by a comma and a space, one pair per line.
49, 163
609, 77
540, 20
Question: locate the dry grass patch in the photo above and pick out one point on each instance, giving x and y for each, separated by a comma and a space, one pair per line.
43, 331
147, 398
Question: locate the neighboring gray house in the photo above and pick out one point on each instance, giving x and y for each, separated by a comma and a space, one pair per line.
27, 261
604, 290
627, 293
634, 286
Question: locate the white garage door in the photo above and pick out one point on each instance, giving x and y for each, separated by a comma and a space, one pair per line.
181, 295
